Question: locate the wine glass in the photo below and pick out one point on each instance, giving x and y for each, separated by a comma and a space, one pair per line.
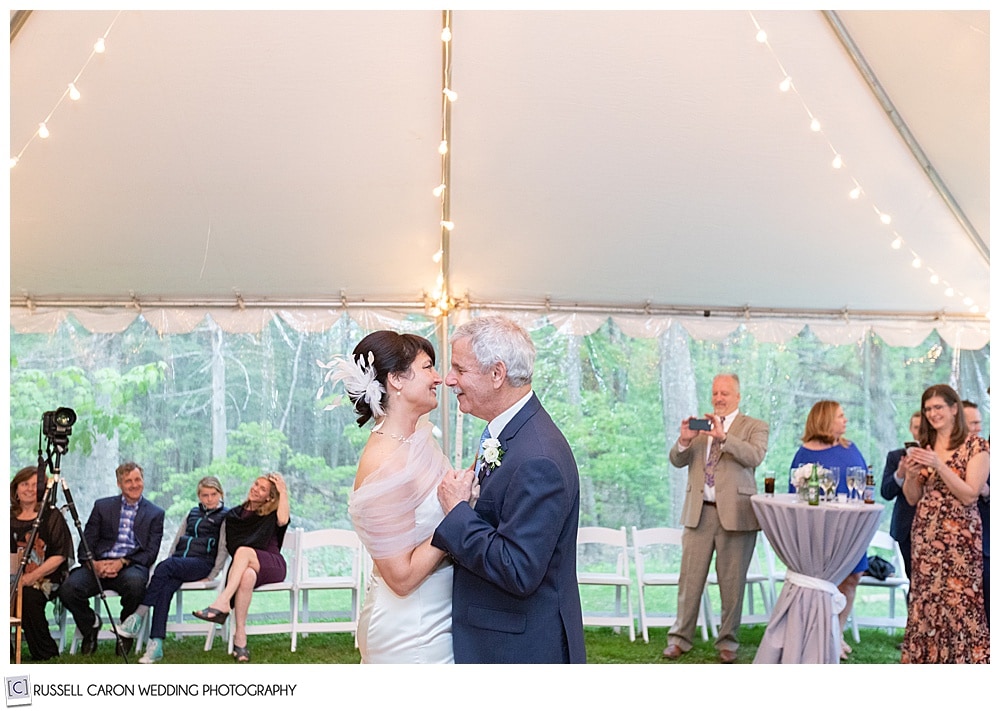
855, 480
834, 477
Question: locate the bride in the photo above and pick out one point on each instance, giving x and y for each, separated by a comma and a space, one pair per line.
406, 617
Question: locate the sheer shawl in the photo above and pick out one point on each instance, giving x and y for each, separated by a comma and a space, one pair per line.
384, 507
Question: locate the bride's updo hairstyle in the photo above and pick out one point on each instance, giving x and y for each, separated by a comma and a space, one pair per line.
394, 353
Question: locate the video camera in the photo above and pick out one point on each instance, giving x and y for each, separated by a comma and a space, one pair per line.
57, 426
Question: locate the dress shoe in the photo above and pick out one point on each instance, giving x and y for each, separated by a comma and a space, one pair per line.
727, 656
672, 652
89, 643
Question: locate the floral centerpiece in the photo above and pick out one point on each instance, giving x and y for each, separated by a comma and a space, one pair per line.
801, 474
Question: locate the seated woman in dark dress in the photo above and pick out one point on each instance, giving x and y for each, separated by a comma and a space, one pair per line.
47, 563
255, 531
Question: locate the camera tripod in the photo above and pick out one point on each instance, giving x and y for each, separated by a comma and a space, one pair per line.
47, 506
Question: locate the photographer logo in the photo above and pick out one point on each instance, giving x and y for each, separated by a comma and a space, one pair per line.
18, 691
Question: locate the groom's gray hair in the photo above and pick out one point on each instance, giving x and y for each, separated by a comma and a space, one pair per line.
498, 339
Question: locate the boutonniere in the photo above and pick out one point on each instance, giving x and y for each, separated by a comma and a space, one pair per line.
492, 453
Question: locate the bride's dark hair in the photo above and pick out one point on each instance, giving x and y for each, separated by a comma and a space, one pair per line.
394, 353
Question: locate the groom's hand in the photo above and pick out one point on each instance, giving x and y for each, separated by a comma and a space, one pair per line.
455, 487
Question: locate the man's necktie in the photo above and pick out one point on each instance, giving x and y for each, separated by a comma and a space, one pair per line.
479, 453
714, 452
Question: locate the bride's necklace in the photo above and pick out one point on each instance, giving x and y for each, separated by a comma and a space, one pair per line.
400, 438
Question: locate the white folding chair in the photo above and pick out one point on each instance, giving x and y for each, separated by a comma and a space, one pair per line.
756, 579
275, 622
106, 633
657, 563
602, 559
889, 549
329, 560
182, 623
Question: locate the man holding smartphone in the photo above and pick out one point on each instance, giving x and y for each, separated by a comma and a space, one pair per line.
721, 456
892, 488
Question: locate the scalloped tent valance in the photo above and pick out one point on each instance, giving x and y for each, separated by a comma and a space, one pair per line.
900, 332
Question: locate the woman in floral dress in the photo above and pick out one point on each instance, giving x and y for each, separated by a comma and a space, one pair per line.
946, 622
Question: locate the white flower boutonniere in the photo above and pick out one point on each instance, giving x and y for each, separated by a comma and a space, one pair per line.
492, 453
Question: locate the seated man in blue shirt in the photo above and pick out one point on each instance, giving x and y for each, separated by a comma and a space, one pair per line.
123, 534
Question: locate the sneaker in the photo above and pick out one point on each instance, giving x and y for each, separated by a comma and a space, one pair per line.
131, 626
154, 651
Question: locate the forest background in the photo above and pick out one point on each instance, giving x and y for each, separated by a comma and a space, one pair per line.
237, 405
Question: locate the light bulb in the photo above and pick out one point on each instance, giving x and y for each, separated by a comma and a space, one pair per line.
856, 193
785, 84
99, 46
452, 95
13, 161
439, 190
446, 34
935, 279
761, 36
967, 301
949, 291
437, 256
885, 218
443, 147
74, 93
448, 225
838, 162
43, 131
916, 263
974, 309
897, 243
814, 125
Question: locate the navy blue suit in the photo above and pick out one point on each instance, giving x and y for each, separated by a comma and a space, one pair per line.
100, 533
516, 598
902, 511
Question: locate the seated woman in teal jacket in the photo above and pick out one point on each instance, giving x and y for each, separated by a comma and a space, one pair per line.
199, 554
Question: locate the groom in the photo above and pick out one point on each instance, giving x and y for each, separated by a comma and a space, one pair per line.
516, 598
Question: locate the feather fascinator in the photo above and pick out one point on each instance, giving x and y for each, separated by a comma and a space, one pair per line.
359, 379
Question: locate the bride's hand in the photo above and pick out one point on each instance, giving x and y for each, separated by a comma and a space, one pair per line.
455, 487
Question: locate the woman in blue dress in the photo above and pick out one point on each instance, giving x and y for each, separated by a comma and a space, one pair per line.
823, 443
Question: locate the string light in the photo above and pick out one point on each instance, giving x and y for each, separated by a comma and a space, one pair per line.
452, 95
72, 91
448, 225
443, 147
439, 189
786, 85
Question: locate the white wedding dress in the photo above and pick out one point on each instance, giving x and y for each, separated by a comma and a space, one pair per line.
395, 509
415, 629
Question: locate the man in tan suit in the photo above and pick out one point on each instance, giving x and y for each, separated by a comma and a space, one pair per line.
717, 515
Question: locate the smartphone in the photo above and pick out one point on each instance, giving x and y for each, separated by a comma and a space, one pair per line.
695, 424
907, 445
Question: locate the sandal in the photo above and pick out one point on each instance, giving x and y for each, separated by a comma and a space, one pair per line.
210, 614
241, 654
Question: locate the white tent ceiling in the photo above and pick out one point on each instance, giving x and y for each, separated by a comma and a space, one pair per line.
614, 159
